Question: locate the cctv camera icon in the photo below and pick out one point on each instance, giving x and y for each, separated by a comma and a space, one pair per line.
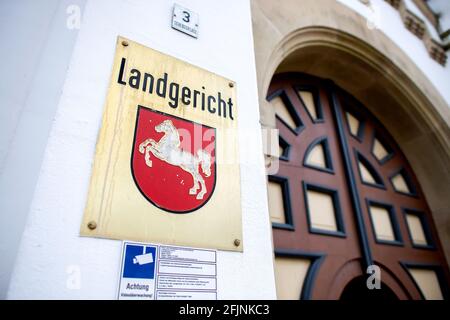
143, 259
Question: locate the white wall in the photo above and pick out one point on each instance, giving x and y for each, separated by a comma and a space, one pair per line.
51, 252
36, 50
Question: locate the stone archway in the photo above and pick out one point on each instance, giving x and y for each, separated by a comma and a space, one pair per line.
326, 39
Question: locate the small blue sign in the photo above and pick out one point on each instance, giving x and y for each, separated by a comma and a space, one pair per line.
139, 261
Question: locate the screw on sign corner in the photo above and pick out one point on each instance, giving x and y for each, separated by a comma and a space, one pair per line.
92, 225
125, 43
237, 242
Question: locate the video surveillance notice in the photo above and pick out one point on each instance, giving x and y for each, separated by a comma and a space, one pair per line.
161, 272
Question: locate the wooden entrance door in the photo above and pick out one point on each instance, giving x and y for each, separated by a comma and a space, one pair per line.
345, 198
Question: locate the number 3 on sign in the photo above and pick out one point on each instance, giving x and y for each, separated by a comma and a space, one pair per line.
185, 20
186, 16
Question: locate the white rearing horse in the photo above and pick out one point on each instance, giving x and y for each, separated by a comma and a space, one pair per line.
168, 149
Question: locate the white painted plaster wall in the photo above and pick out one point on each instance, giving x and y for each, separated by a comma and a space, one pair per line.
51, 251
36, 50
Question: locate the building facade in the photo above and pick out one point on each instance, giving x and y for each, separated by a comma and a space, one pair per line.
344, 142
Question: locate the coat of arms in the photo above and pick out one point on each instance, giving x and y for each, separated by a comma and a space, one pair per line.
173, 161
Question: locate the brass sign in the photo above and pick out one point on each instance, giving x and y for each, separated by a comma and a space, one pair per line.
166, 166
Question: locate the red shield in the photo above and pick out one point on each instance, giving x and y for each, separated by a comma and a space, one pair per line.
173, 161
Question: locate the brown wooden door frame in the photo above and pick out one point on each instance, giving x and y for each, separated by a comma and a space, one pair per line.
336, 257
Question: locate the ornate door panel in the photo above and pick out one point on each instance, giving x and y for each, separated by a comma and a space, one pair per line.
398, 223
344, 196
